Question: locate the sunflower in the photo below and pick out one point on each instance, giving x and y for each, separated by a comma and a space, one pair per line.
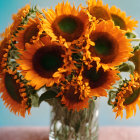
6, 33
43, 64
136, 60
111, 46
17, 19
66, 21
128, 97
28, 34
119, 18
13, 93
98, 80
98, 10
4, 46
72, 98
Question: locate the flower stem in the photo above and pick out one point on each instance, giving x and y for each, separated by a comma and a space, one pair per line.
135, 39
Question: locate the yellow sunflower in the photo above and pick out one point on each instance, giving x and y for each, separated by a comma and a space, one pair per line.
128, 97
72, 98
136, 60
120, 19
98, 10
111, 46
13, 93
43, 64
98, 80
28, 34
66, 21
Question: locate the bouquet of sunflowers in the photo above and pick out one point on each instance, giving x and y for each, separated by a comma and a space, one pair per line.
72, 56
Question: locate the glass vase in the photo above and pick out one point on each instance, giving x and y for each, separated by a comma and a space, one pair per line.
73, 125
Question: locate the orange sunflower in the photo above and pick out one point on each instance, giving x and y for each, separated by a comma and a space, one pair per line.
72, 98
66, 21
4, 46
98, 10
111, 46
128, 97
17, 19
136, 60
6, 33
43, 64
13, 93
119, 18
28, 34
98, 81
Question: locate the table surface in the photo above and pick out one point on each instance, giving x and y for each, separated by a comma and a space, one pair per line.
41, 133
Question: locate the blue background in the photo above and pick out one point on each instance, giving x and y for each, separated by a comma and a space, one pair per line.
41, 116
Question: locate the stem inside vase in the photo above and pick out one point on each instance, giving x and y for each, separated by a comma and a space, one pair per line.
73, 125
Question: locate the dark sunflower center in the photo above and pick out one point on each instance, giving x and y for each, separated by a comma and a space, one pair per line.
100, 13
47, 60
118, 21
71, 96
30, 32
93, 75
50, 61
12, 88
129, 100
68, 25
103, 46
106, 46
95, 78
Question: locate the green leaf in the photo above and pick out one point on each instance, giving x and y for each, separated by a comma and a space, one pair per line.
47, 95
77, 57
127, 67
34, 100
112, 95
77, 126
130, 35
136, 48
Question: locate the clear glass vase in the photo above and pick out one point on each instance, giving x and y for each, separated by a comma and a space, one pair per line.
69, 125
